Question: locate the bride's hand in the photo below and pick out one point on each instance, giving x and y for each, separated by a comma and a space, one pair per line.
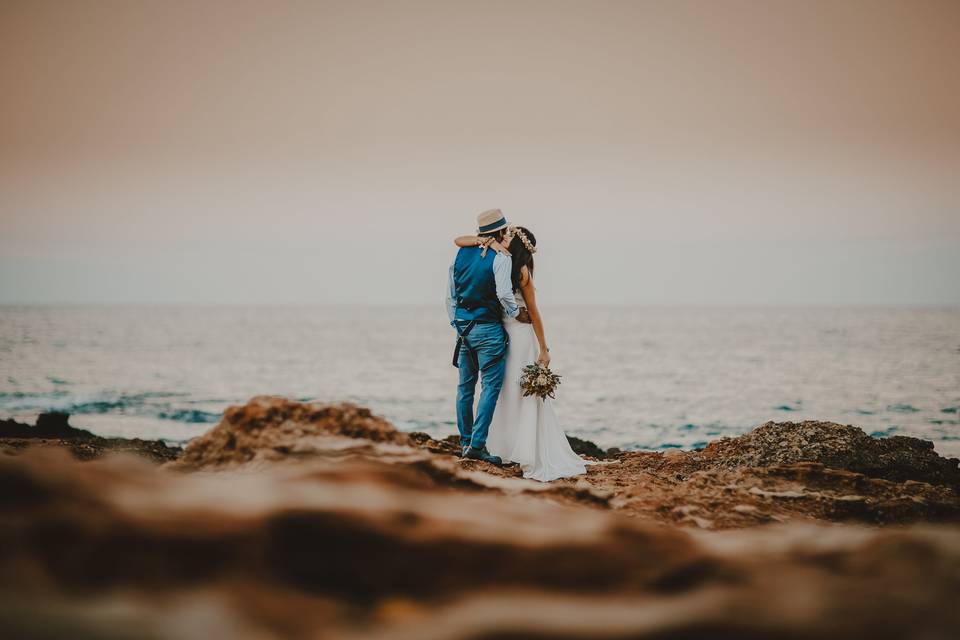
499, 248
544, 358
484, 244
490, 243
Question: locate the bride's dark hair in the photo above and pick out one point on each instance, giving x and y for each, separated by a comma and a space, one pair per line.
522, 257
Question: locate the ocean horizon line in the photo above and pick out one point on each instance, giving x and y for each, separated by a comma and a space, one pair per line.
426, 305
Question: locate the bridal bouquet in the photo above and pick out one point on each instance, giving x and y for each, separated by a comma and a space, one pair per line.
538, 380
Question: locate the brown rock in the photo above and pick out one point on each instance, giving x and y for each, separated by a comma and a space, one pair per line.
54, 431
353, 548
837, 446
324, 521
271, 429
754, 469
586, 448
49, 426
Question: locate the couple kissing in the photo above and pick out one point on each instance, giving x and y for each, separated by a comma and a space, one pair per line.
491, 303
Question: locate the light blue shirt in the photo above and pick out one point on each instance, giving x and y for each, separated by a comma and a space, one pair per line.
502, 266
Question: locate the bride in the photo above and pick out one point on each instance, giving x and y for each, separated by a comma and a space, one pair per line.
525, 430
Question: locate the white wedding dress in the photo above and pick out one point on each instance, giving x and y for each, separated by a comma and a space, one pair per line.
526, 430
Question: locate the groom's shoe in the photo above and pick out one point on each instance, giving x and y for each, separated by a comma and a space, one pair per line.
472, 453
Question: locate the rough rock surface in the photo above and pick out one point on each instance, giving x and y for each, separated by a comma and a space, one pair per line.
586, 448
53, 425
270, 428
779, 471
54, 430
837, 446
290, 520
733, 483
329, 548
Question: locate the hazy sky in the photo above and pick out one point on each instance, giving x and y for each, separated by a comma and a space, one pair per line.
712, 152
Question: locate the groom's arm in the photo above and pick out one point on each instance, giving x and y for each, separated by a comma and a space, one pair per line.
449, 297
502, 266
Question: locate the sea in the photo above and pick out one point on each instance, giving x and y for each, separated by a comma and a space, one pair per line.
638, 378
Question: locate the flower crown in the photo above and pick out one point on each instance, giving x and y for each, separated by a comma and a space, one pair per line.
518, 232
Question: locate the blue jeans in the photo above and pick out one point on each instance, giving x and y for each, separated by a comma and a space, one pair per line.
489, 344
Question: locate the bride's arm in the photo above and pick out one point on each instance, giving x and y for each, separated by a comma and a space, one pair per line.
477, 241
468, 241
530, 297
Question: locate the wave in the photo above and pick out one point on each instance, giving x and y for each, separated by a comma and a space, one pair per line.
154, 404
902, 408
172, 414
194, 416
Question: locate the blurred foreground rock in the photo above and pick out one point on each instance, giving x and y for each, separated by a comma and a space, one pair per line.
290, 520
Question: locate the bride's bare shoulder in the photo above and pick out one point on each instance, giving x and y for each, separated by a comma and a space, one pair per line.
525, 276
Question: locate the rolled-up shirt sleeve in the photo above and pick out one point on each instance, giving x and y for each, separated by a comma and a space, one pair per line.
502, 266
450, 296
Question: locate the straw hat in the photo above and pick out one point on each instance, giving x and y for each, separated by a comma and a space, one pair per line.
490, 221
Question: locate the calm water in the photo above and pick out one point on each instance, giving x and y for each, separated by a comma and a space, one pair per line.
636, 378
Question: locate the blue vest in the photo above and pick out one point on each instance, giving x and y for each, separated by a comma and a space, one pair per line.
475, 286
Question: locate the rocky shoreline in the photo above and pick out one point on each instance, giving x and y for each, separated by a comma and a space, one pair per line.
305, 521
54, 430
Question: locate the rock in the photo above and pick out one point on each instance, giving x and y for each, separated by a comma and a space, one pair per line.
49, 425
271, 428
54, 430
646, 484
650, 485
586, 448
897, 458
325, 521
757, 491
808, 479
751, 471
449, 445
364, 548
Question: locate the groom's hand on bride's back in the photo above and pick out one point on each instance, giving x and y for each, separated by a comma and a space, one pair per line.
524, 316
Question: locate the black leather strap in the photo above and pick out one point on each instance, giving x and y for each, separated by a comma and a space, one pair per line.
462, 340
471, 352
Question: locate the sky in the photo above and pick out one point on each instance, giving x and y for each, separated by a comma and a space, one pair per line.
686, 152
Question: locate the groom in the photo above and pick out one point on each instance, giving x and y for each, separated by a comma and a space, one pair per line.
478, 292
